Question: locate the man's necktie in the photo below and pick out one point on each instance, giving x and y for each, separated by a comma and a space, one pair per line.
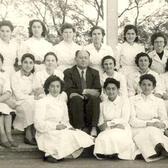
83, 81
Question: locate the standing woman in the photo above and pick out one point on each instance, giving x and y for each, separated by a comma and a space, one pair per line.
115, 137
149, 120
129, 49
51, 68
6, 139
54, 134
97, 48
8, 46
36, 44
67, 48
22, 86
159, 55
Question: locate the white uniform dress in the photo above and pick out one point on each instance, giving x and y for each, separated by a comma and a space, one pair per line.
133, 82
4, 87
158, 65
119, 77
66, 54
22, 87
9, 52
115, 141
148, 109
51, 111
37, 47
96, 56
127, 54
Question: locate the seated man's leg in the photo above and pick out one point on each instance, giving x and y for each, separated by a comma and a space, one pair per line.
92, 110
76, 112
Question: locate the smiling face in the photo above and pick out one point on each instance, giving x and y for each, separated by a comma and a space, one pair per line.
159, 44
5, 33
112, 91
130, 36
108, 65
37, 29
50, 62
143, 63
68, 35
55, 88
27, 65
97, 36
146, 86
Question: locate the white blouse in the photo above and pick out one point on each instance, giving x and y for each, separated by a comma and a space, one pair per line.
117, 111
22, 86
158, 65
49, 112
37, 47
66, 54
147, 109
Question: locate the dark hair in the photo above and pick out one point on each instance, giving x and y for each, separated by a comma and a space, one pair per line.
148, 77
166, 68
108, 57
51, 79
67, 26
77, 52
142, 54
7, 23
129, 27
50, 53
42, 24
156, 35
1, 58
97, 27
111, 81
28, 55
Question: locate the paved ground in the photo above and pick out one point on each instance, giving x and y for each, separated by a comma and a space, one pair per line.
82, 163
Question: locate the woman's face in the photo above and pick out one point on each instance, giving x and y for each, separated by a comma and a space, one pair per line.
143, 63
97, 36
37, 29
146, 86
5, 33
27, 65
50, 62
68, 35
130, 36
111, 91
159, 44
55, 88
108, 65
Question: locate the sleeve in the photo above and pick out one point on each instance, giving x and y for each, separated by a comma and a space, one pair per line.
130, 85
159, 88
123, 87
40, 122
134, 121
101, 117
37, 81
7, 87
66, 116
96, 81
16, 88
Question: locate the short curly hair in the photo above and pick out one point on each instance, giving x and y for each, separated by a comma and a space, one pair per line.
51, 79
108, 57
97, 27
156, 35
111, 81
7, 23
148, 77
67, 26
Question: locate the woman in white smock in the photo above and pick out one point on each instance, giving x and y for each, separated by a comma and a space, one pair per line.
54, 134
149, 120
115, 137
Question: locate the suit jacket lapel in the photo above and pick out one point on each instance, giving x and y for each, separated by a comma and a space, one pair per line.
88, 78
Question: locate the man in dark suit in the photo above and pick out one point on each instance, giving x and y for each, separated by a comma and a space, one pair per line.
82, 84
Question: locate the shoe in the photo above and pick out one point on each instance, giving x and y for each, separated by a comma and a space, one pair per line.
5, 144
51, 159
13, 144
30, 142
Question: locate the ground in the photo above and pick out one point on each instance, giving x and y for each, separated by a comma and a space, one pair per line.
82, 163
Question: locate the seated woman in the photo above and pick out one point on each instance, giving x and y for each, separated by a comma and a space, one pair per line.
148, 120
50, 62
54, 135
6, 139
108, 64
115, 137
143, 62
22, 86
159, 55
